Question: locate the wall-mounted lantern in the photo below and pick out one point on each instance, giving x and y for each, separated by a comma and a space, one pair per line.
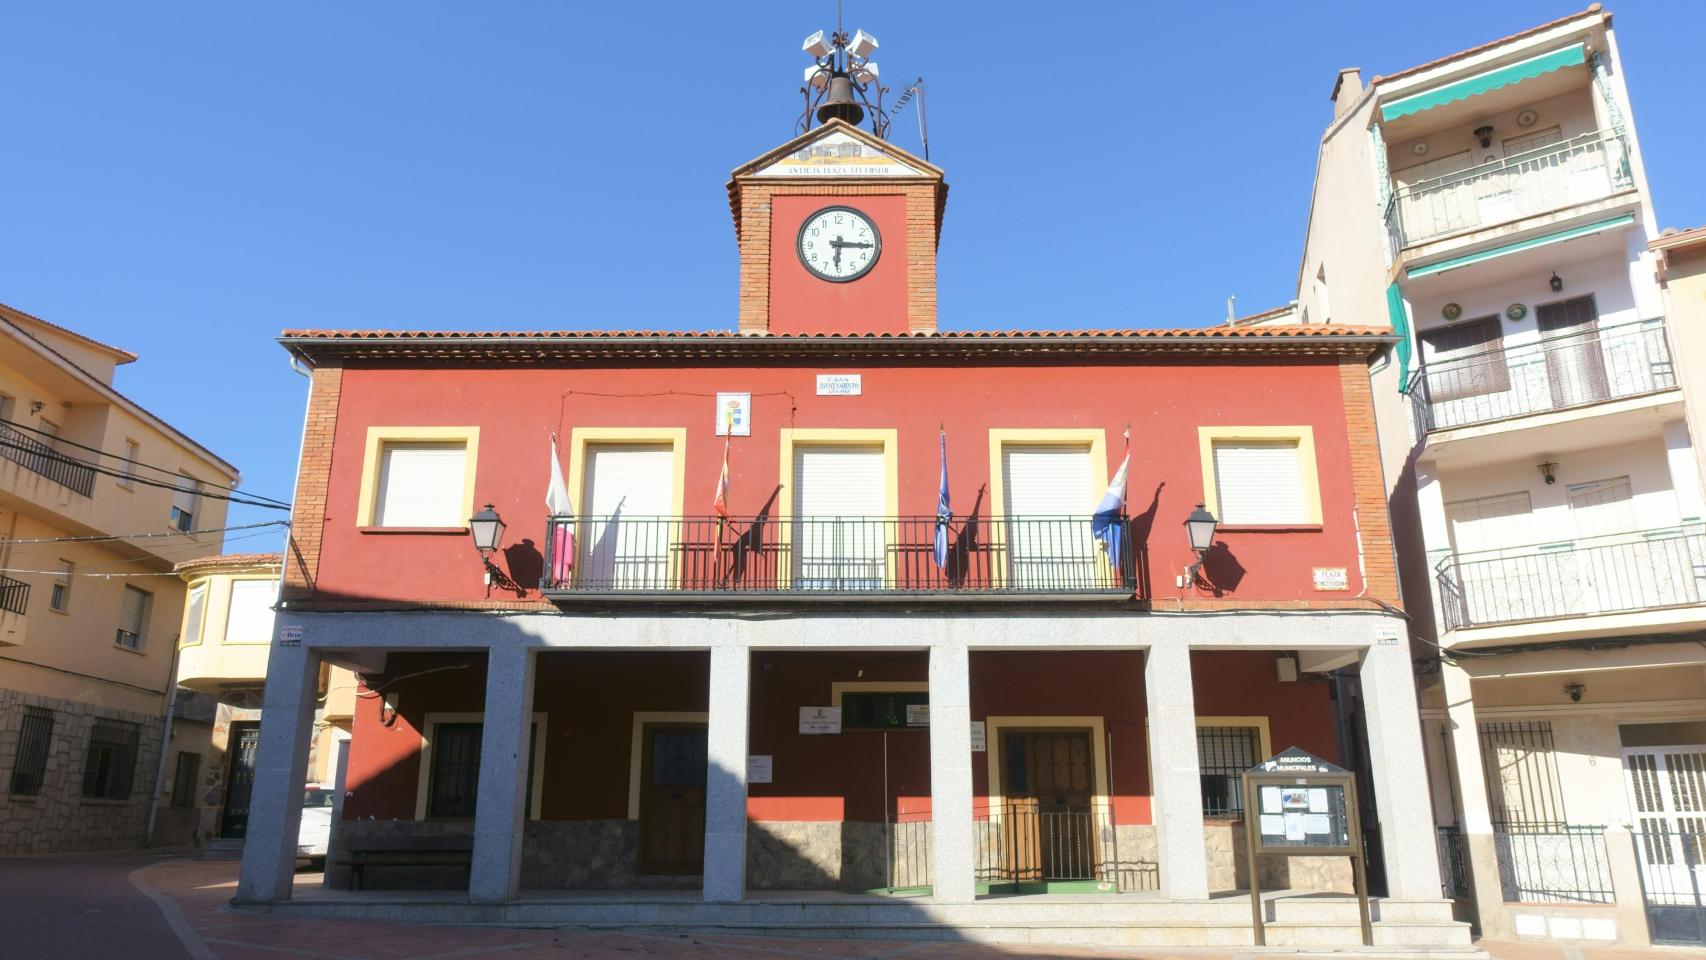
1199, 529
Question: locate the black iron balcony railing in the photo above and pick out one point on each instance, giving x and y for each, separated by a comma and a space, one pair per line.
1578, 170
1612, 574
861, 557
37, 457
1554, 373
14, 595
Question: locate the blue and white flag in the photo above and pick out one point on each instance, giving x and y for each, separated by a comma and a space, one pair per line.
1105, 525
944, 513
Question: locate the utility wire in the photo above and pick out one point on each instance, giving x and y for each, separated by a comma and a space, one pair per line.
267, 503
143, 536
83, 571
57, 440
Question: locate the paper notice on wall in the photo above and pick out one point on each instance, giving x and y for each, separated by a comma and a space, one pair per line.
979, 737
818, 721
1294, 826
918, 714
1318, 800
1317, 824
759, 768
1270, 800
1272, 825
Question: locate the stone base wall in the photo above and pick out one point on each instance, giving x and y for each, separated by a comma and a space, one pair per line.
813, 855
59, 818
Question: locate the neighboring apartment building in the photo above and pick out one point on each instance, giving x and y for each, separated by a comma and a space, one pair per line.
844, 684
223, 646
1544, 481
88, 625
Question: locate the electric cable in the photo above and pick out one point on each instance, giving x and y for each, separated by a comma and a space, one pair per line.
56, 440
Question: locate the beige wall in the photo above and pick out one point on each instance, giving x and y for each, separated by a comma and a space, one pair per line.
1685, 293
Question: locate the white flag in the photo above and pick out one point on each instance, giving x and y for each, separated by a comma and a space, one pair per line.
557, 494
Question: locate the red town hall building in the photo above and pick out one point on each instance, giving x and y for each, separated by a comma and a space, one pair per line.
844, 706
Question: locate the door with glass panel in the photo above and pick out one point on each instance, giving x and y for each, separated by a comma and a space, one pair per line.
627, 524
1049, 500
1667, 796
840, 499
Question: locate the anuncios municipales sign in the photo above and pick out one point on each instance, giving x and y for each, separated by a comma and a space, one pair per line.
1299, 805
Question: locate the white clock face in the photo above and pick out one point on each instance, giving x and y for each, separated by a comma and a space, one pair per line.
839, 244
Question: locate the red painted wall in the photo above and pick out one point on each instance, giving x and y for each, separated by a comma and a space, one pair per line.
801, 302
1165, 402
590, 699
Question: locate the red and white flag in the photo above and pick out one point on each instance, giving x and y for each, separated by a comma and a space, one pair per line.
720, 503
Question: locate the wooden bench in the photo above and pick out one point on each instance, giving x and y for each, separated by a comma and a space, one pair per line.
358, 855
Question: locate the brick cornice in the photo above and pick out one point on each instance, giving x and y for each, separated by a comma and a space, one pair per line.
313, 482
1374, 523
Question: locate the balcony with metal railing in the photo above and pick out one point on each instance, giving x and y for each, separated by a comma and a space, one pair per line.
37, 457
849, 558
14, 601
1557, 372
1582, 169
1618, 573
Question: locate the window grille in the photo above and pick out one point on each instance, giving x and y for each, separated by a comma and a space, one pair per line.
455, 770
1521, 772
1224, 753
35, 738
110, 764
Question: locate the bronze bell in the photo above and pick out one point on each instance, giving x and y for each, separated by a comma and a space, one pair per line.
840, 102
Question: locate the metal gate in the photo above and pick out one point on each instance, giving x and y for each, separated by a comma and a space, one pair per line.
240, 780
1667, 790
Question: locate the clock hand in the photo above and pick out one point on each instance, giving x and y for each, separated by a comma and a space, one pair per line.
838, 243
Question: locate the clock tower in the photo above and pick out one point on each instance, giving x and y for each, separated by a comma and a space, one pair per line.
838, 231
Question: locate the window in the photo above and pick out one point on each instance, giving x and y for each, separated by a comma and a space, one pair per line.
455, 774
1258, 482
1533, 141
629, 497
421, 485
1465, 360
840, 498
195, 613
881, 709
49, 433
183, 502
250, 616
35, 739
1048, 499
1224, 753
132, 450
132, 617
60, 598
1490, 523
1602, 507
110, 764
1518, 761
184, 778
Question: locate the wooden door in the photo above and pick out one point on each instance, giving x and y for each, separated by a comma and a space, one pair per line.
239, 779
1575, 363
1049, 785
672, 799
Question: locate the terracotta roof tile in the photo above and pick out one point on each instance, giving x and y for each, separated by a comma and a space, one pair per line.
119, 353
1592, 9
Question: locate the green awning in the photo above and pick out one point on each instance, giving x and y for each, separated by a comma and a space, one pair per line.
1557, 237
1400, 320
1570, 56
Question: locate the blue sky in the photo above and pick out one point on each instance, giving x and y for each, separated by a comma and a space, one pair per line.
186, 179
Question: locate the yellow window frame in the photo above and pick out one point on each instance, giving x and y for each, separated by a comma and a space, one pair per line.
377, 437
1302, 436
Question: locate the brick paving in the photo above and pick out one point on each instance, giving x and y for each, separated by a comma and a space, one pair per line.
77, 907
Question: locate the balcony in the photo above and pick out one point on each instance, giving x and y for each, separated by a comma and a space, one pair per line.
37, 457
859, 558
1556, 373
1589, 167
1620, 573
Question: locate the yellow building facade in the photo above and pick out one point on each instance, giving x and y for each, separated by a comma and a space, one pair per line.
99, 498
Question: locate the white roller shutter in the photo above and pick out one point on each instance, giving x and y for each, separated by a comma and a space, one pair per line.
1490, 523
627, 517
420, 485
1259, 483
1050, 495
840, 498
250, 616
1602, 507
